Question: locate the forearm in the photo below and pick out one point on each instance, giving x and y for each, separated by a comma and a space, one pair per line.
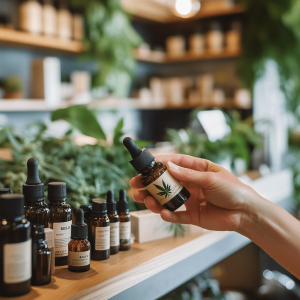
274, 230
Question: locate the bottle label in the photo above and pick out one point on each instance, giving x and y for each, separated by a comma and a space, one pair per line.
79, 259
125, 230
102, 238
62, 237
115, 234
17, 262
164, 188
49, 236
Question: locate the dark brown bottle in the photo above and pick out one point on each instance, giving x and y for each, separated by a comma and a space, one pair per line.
36, 210
99, 230
41, 257
60, 220
79, 256
114, 223
125, 223
167, 191
4, 191
15, 247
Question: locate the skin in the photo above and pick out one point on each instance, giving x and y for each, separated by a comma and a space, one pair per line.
219, 201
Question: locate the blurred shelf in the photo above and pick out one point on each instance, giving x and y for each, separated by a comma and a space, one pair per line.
26, 105
187, 57
27, 40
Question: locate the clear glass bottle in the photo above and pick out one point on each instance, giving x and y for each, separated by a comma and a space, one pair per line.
99, 230
114, 223
79, 256
168, 191
15, 247
125, 223
41, 257
60, 220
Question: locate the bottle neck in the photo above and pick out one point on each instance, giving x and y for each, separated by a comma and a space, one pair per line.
37, 202
57, 202
148, 168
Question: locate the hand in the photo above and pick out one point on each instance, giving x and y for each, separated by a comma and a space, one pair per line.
218, 199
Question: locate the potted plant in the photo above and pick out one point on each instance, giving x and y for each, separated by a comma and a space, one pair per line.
13, 88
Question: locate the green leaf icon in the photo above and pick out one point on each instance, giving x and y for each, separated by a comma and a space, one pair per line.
165, 190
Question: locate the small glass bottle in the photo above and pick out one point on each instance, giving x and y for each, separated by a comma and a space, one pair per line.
87, 209
15, 247
36, 210
60, 220
41, 257
49, 18
64, 21
99, 230
79, 256
168, 191
125, 223
114, 223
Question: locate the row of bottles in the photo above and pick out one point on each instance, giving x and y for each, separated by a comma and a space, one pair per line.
42, 17
34, 234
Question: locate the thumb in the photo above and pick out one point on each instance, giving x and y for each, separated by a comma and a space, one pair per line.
189, 175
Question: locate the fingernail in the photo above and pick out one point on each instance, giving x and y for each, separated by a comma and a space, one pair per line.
173, 166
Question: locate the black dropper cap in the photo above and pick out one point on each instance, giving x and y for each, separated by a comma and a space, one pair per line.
79, 228
57, 191
99, 207
111, 203
140, 158
122, 203
38, 233
33, 189
11, 206
4, 191
87, 209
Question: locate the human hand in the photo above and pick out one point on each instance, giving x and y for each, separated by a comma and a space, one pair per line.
218, 199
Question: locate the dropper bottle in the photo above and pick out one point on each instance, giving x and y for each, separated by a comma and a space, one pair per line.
36, 210
114, 223
125, 223
167, 191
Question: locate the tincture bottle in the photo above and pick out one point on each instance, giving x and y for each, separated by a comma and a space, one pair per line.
36, 210
125, 224
15, 247
41, 257
168, 191
79, 247
60, 220
114, 223
87, 209
99, 230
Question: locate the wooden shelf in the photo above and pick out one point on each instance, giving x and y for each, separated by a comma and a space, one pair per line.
187, 57
27, 40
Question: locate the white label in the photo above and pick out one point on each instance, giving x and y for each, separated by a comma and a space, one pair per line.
115, 234
102, 238
79, 259
125, 230
164, 188
62, 237
49, 236
17, 262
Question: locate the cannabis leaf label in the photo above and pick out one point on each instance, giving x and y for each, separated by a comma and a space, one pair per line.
165, 190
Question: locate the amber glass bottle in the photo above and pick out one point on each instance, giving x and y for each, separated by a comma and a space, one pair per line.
99, 230
168, 191
41, 257
125, 223
114, 223
79, 255
36, 210
60, 220
15, 247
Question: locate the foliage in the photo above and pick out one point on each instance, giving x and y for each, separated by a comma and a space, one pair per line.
109, 40
13, 84
275, 36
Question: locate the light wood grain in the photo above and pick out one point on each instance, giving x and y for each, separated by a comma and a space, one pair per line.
24, 39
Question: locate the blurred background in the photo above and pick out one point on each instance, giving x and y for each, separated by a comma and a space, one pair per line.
217, 79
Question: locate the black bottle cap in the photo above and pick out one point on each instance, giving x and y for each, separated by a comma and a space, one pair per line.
57, 191
38, 232
11, 206
33, 189
4, 191
99, 207
122, 203
87, 209
140, 158
79, 228
111, 204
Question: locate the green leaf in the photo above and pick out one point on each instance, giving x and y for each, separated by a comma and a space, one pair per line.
12, 140
82, 118
159, 187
